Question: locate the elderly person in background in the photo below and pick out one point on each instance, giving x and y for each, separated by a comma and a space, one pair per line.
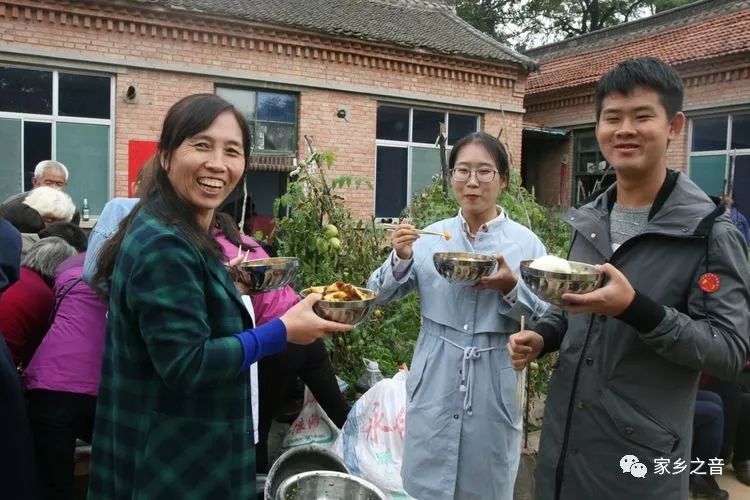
49, 173
52, 205
26, 305
62, 379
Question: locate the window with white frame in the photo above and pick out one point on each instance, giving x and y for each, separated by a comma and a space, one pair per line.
272, 117
59, 115
720, 152
407, 158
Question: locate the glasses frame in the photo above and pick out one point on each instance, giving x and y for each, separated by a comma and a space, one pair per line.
475, 173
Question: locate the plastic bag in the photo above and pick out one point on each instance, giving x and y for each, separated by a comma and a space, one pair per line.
312, 426
372, 439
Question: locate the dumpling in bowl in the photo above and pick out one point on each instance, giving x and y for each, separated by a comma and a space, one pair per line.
552, 264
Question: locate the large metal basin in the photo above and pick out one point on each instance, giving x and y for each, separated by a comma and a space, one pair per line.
327, 485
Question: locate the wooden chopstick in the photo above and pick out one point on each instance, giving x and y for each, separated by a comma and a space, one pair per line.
521, 377
419, 231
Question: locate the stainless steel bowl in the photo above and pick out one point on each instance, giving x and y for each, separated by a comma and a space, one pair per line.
351, 312
464, 268
327, 485
298, 460
271, 273
550, 286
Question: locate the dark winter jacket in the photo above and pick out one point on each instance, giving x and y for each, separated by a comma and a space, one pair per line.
626, 385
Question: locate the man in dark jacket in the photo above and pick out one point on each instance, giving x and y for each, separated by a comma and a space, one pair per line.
674, 303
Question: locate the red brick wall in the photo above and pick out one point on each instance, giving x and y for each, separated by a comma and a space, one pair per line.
352, 142
247, 54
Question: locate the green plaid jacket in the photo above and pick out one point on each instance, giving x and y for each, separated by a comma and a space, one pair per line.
172, 418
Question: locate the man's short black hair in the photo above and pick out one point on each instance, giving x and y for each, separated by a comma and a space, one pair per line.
648, 72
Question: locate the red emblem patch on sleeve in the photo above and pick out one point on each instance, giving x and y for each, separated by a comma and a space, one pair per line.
709, 282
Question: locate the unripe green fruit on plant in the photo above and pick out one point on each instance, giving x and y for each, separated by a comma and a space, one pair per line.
330, 231
335, 243
322, 245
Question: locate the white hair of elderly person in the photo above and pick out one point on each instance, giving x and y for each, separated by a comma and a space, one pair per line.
46, 255
53, 205
50, 173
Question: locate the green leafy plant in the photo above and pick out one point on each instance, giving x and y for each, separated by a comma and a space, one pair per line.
331, 244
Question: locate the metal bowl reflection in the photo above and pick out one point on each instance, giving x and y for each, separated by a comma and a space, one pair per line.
464, 268
327, 485
550, 286
350, 312
271, 273
298, 460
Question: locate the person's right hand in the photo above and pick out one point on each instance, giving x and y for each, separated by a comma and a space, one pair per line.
524, 347
403, 238
304, 327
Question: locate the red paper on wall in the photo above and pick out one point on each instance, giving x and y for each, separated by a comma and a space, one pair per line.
139, 153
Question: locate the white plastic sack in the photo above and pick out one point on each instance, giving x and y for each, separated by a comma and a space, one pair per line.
312, 426
372, 439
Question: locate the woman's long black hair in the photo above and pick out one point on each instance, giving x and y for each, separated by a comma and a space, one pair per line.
186, 118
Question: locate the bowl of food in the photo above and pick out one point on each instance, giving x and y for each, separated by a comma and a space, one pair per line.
343, 303
550, 277
323, 485
271, 273
464, 268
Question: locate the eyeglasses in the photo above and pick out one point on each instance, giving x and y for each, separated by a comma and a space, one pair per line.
483, 174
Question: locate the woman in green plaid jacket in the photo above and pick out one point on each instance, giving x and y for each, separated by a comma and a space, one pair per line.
173, 417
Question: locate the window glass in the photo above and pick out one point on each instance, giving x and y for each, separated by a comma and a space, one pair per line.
243, 100
426, 126
741, 132
393, 123
83, 95
277, 107
708, 172
425, 164
10, 167
25, 91
710, 134
269, 136
391, 181
460, 126
84, 150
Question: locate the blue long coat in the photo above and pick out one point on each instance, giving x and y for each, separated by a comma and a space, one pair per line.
462, 444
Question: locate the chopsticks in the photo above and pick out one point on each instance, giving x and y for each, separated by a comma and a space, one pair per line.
445, 234
521, 377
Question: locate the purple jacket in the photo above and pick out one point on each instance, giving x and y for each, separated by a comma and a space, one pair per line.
69, 358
